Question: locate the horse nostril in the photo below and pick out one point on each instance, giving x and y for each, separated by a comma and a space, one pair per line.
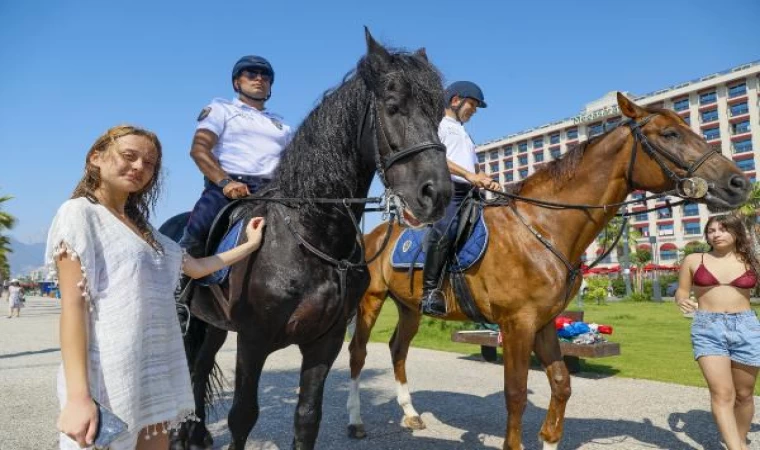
428, 191
738, 183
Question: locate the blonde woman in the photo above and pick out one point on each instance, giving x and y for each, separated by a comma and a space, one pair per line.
120, 338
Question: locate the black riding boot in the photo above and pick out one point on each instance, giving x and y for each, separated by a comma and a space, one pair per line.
433, 301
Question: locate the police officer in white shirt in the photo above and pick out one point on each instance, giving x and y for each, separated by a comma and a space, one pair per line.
237, 145
463, 98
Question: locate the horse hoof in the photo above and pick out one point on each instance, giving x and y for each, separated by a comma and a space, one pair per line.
357, 431
414, 423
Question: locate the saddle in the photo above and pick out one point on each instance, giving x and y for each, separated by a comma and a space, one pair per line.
211, 298
469, 246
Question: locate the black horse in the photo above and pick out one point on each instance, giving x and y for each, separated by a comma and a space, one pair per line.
303, 285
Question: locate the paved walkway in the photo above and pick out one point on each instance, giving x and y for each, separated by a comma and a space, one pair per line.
460, 399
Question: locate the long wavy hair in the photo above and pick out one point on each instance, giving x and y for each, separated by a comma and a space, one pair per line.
735, 227
139, 204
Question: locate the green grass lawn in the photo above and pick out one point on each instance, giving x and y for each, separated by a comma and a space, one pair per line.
654, 340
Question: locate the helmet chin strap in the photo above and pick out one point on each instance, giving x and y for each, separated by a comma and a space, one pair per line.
456, 110
251, 97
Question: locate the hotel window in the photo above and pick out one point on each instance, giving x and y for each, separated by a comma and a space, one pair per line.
746, 164
711, 133
637, 195
595, 129
668, 254
523, 174
643, 230
709, 115
738, 109
611, 123
664, 214
494, 154
538, 143
752, 178
538, 157
522, 147
665, 229
554, 138
687, 119
707, 98
522, 160
692, 228
690, 210
737, 90
508, 150
641, 217
555, 152
681, 105
509, 177
572, 133
743, 146
481, 158
508, 164
495, 177
494, 166
740, 127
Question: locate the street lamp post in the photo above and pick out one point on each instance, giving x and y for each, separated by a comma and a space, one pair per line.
626, 260
656, 293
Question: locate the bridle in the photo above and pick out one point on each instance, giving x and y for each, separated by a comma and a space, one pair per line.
688, 186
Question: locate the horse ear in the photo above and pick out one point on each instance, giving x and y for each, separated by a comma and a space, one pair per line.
422, 53
628, 108
373, 47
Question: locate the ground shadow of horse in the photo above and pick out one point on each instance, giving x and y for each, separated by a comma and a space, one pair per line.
600, 371
469, 421
692, 424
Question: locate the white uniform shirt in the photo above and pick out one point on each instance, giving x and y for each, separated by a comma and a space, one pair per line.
459, 146
250, 141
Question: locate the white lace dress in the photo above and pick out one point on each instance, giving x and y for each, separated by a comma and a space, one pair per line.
137, 365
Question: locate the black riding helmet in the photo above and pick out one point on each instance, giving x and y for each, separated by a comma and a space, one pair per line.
465, 89
252, 62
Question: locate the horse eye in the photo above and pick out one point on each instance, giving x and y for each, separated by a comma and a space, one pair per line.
670, 134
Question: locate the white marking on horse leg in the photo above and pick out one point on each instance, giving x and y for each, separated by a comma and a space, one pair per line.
354, 405
548, 446
404, 399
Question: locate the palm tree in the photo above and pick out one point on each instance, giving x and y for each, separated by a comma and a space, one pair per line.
640, 258
610, 232
748, 214
7, 222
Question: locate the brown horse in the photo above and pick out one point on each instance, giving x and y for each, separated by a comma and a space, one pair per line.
521, 284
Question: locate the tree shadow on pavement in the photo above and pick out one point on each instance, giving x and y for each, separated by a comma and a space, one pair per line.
700, 427
468, 421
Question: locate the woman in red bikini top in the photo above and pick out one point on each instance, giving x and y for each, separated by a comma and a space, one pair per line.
725, 333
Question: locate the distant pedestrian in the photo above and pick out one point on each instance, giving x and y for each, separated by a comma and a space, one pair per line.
15, 298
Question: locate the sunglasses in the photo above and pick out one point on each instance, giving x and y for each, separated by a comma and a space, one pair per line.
252, 74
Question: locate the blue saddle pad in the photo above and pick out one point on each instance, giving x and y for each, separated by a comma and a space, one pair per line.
408, 249
229, 241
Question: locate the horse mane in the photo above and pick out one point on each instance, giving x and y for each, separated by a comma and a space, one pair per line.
322, 160
564, 168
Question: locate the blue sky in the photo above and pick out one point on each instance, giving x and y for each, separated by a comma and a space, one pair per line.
73, 69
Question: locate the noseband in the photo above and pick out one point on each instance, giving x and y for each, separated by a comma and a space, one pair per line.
686, 187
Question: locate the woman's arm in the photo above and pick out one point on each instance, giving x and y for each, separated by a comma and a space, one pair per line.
79, 418
200, 267
682, 297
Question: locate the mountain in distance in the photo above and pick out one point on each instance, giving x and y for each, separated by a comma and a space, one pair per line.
25, 257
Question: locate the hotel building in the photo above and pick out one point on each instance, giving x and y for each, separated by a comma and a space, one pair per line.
723, 107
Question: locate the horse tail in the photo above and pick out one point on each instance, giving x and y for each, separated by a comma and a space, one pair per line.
215, 381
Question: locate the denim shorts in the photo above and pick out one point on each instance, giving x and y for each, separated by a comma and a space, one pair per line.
734, 335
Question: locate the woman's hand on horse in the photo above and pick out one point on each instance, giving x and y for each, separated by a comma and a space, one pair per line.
79, 420
236, 189
254, 231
